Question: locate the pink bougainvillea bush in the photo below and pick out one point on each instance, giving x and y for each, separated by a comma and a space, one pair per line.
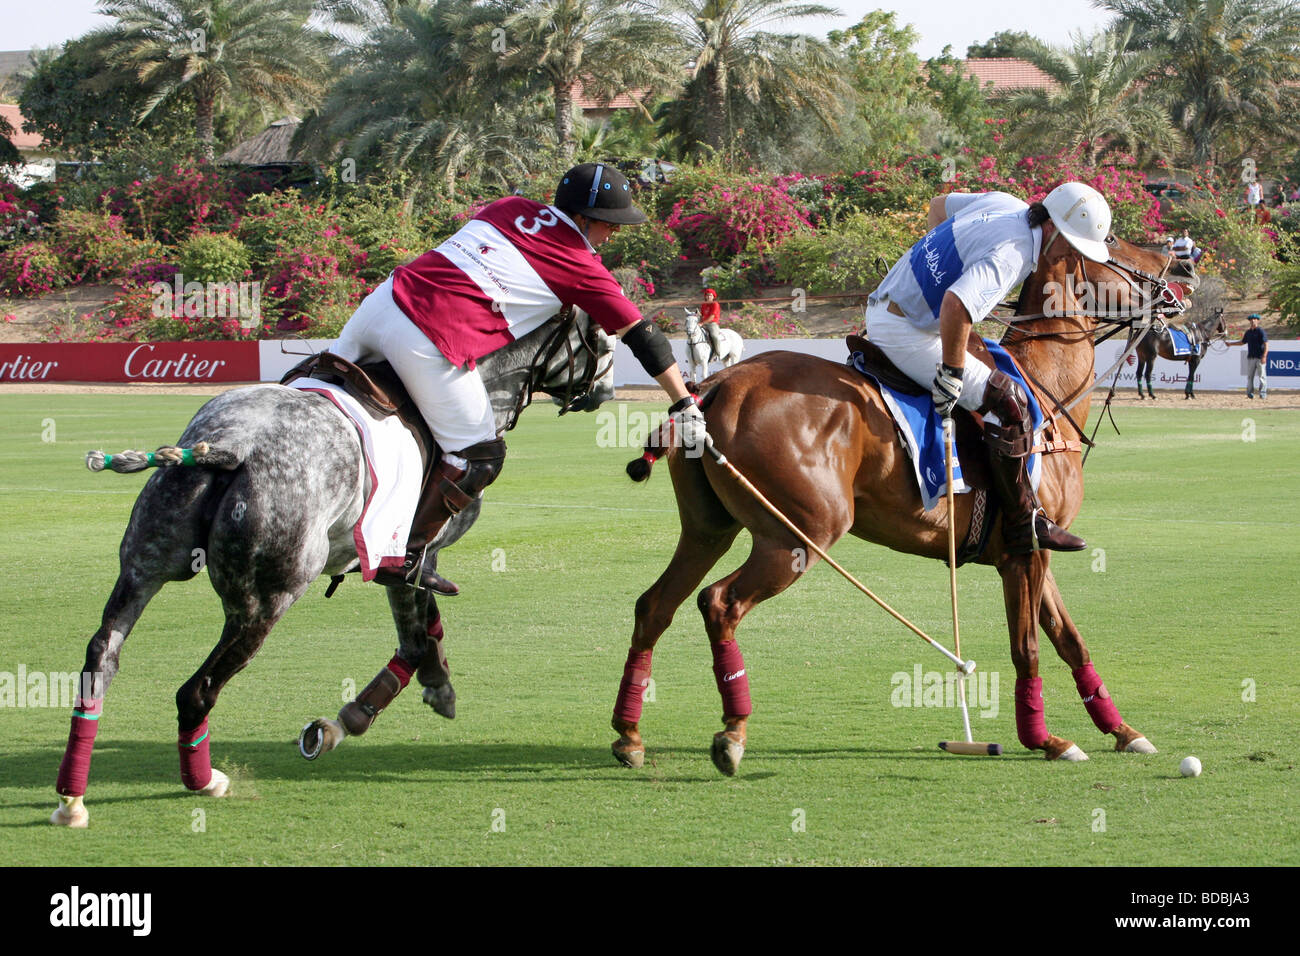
170, 202
31, 269
19, 221
725, 219
95, 247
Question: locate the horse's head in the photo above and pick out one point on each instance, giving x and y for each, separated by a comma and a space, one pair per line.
575, 365
1131, 284
692, 319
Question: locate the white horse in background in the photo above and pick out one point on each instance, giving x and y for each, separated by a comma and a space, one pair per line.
698, 349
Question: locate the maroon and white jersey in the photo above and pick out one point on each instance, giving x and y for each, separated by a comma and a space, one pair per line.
508, 270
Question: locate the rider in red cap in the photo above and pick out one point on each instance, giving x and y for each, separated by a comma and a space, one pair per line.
710, 313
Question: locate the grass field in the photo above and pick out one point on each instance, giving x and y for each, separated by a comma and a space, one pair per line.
1189, 608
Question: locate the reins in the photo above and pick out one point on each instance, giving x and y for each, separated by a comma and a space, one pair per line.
1161, 303
575, 388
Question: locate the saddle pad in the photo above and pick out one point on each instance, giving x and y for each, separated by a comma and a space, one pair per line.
392, 463
921, 430
1181, 343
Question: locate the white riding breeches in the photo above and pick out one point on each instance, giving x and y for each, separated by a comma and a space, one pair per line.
453, 401
918, 353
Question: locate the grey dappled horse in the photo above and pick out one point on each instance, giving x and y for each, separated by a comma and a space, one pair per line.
273, 508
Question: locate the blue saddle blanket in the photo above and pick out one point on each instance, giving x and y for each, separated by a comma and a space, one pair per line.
921, 429
1181, 343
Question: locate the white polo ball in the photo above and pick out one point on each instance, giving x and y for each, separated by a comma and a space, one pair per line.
1190, 767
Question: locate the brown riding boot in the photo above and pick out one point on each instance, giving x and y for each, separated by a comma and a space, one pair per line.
449, 491
1025, 526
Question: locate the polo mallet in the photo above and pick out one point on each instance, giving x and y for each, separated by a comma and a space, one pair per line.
967, 746
966, 667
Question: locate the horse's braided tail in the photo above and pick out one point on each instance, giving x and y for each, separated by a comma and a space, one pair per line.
659, 443
200, 455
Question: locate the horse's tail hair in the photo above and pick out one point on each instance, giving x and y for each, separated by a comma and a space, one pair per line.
201, 454
659, 443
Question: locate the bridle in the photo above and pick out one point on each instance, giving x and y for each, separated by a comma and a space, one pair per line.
1156, 298
576, 387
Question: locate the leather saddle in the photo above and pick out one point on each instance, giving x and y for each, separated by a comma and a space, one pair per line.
968, 426
377, 387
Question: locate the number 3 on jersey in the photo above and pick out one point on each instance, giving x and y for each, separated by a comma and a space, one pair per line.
544, 218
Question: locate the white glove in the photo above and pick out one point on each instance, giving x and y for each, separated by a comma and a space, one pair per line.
689, 421
946, 389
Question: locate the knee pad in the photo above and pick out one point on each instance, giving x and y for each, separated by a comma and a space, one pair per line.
1012, 434
485, 462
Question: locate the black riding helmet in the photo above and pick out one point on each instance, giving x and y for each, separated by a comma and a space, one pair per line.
597, 191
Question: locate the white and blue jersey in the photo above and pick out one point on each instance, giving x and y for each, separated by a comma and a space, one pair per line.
980, 253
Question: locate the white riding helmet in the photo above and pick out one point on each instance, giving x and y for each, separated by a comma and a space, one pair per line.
1082, 216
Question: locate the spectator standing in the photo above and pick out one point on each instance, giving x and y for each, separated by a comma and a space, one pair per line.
1185, 248
1256, 341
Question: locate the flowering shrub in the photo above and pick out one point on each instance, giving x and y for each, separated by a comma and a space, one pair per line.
173, 201
209, 257
144, 315
854, 254
271, 224
755, 322
650, 248
148, 271
723, 220
377, 220
31, 269
19, 220
317, 286
1235, 247
95, 246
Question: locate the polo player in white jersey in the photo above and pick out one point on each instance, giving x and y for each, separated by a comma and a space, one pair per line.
980, 247
507, 271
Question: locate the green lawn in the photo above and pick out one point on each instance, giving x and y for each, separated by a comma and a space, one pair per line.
1188, 605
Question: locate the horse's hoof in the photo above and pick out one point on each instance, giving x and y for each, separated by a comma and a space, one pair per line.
72, 813
321, 735
628, 754
727, 752
1128, 740
442, 700
218, 786
1072, 754
1141, 746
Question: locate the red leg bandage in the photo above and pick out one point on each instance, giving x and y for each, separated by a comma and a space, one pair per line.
74, 771
733, 682
1031, 728
401, 669
196, 761
636, 674
1096, 699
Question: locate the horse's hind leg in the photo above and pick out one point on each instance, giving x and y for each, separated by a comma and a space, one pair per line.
241, 638
1069, 644
1023, 578
696, 553
124, 607
772, 566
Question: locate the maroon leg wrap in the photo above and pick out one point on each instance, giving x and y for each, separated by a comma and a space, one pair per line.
1096, 699
1031, 728
74, 771
402, 669
196, 760
636, 674
733, 682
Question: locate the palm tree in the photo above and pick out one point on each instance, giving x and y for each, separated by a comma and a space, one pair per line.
1097, 102
212, 50
732, 54
415, 100
1225, 64
609, 46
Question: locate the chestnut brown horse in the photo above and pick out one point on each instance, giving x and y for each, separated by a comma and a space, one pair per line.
817, 440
